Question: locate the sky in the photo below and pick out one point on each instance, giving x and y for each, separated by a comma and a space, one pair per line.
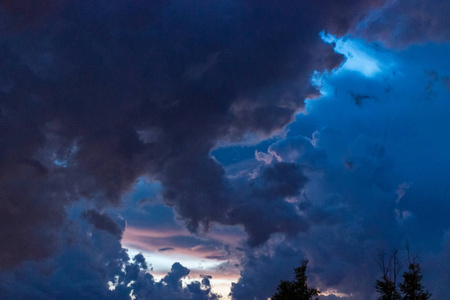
203, 149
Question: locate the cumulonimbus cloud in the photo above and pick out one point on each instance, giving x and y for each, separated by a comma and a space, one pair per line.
95, 94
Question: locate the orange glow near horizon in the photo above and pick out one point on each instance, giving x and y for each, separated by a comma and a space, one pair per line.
201, 259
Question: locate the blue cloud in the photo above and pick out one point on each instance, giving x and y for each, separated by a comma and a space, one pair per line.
376, 173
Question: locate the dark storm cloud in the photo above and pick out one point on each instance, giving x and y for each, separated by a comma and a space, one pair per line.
260, 203
262, 272
18, 15
90, 262
98, 93
103, 222
280, 180
401, 23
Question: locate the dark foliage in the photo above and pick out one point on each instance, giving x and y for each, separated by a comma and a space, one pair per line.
411, 287
298, 289
387, 285
387, 289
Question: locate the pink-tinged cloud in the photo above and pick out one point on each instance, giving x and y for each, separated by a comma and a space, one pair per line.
159, 233
214, 246
209, 256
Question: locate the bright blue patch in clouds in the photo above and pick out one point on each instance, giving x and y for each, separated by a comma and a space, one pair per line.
357, 54
60, 163
144, 190
144, 208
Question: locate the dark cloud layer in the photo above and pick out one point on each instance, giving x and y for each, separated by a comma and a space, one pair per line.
261, 205
103, 222
93, 265
402, 23
262, 272
94, 94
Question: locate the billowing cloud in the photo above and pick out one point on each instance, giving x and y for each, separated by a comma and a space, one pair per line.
93, 265
376, 181
103, 222
401, 23
95, 94
261, 207
262, 271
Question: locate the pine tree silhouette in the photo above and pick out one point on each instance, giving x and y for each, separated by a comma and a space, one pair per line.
298, 289
411, 287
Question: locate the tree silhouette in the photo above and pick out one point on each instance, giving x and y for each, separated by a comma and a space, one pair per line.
387, 285
297, 289
387, 289
411, 287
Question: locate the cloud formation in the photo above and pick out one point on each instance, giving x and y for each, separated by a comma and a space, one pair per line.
95, 94
402, 23
376, 181
93, 265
